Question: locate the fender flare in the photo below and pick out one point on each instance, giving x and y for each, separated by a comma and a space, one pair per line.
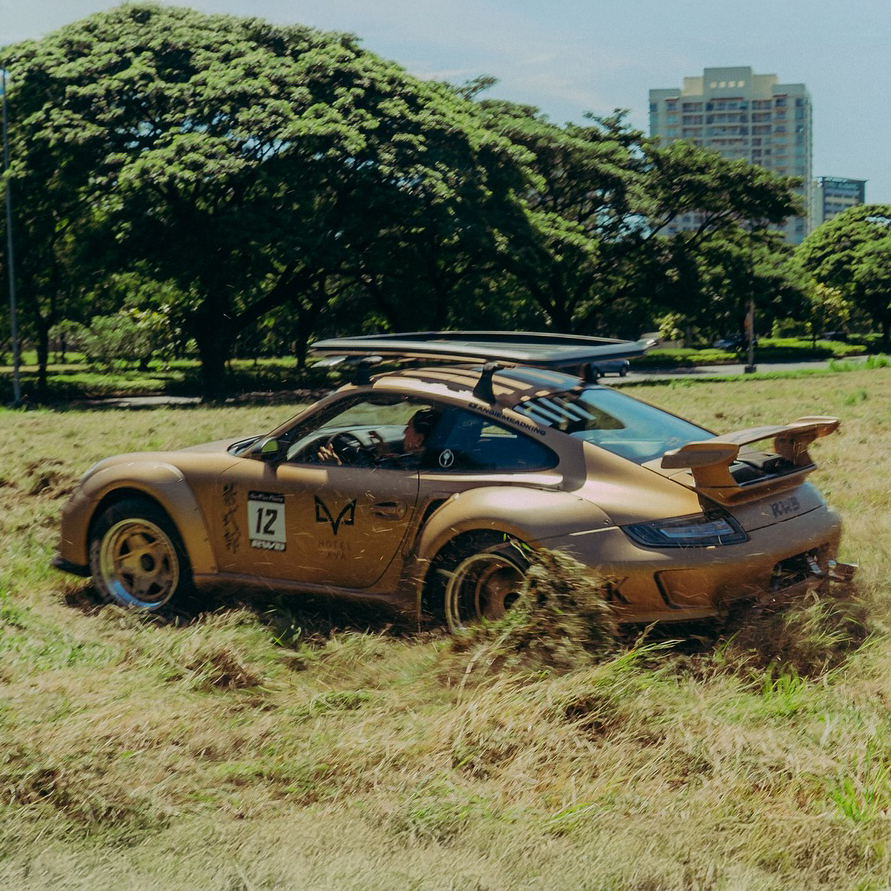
532, 516
162, 483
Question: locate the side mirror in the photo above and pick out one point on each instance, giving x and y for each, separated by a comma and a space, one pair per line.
267, 449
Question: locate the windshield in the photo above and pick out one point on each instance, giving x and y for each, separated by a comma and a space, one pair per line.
613, 421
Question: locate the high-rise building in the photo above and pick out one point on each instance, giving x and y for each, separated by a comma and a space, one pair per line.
834, 195
741, 114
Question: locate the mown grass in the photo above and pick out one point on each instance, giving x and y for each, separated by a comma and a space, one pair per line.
75, 379
283, 743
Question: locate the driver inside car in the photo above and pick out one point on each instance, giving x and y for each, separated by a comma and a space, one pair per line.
414, 438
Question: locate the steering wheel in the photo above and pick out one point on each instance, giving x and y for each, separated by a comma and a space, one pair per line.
348, 447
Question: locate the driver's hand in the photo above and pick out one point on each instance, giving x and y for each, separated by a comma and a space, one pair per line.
327, 455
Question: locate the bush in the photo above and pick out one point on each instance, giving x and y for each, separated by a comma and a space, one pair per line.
789, 328
128, 337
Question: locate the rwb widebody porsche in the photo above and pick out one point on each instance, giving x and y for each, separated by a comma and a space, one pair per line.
428, 487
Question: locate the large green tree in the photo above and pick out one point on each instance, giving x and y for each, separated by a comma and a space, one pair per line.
610, 256
250, 165
720, 274
584, 180
852, 252
47, 205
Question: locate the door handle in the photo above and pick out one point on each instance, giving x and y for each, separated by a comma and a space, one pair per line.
389, 510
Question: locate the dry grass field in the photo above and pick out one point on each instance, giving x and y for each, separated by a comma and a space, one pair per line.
273, 743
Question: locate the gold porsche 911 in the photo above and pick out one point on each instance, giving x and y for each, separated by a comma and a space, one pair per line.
425, 486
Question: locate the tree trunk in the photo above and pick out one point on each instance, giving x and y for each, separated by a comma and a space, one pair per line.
213, 337
213, 369
301, 347
42, 358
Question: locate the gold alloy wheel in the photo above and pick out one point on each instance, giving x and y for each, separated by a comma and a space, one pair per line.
482, 586
138, 564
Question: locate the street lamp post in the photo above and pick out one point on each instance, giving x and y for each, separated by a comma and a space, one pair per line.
751, 367
10, 257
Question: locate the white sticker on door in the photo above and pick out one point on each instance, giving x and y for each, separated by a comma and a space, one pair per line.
266, 520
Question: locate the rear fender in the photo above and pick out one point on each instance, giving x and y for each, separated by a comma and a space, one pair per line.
160, 482
532, 516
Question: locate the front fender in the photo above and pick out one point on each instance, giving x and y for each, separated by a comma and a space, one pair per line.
157, 480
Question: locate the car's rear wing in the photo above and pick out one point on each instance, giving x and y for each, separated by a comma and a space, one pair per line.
709, 460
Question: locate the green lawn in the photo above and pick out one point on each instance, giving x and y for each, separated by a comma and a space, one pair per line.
785, 349
276, 743
73, 379
76, 380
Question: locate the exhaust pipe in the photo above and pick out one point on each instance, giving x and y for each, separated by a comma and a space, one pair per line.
842, 572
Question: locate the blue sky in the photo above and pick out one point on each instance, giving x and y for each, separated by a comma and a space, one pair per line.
572, 56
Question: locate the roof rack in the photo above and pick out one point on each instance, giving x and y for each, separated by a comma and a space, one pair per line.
554, 351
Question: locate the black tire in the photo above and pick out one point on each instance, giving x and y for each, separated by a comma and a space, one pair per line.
137, 558
623, 371
478, 576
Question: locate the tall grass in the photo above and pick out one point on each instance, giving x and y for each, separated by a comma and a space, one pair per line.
288, 743
877, 361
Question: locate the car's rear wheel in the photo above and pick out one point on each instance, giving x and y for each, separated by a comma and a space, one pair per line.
479, 578
137, 558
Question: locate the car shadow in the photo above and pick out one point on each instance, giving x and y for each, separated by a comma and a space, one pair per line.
290, 619
807, 637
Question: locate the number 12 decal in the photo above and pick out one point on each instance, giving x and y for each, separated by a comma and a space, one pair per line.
266, 520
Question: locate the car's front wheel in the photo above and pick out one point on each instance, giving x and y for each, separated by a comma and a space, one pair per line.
479, 576
137, 558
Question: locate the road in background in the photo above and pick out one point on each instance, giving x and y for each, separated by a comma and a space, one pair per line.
706, 371
665, 374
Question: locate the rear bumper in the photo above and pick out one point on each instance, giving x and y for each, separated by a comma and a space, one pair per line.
779, 561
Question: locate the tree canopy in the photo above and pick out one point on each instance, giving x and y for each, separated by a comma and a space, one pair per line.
852, 252
612, 255
243, 161
239, 176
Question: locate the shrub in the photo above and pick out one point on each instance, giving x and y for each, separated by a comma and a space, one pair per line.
128, 337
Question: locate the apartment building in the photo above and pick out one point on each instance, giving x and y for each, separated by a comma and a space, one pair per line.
834, 195
745, 115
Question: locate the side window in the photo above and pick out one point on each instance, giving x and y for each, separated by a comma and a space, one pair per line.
467, 442
379, 430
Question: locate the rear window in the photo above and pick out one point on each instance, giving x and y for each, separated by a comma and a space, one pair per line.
613, 421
